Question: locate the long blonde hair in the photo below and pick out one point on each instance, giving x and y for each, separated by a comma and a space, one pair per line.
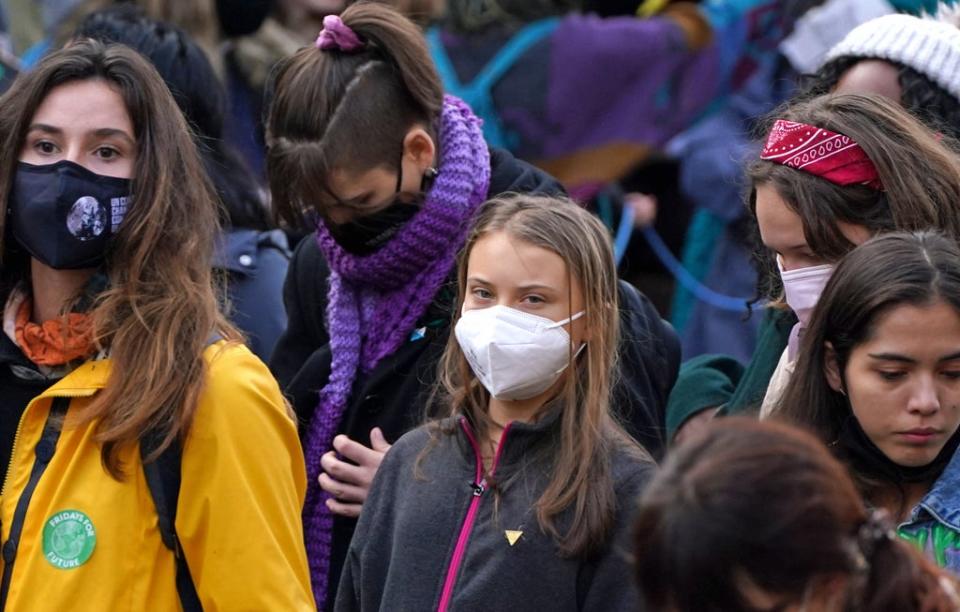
160, 309
580, 476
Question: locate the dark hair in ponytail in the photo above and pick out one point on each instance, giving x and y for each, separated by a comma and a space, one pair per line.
764, 505
900, 580
336, 110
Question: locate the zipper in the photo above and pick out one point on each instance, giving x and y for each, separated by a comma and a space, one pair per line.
478, 486
16, 436
43, 453
13, 451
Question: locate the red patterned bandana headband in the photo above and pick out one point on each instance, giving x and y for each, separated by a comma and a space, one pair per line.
831, 156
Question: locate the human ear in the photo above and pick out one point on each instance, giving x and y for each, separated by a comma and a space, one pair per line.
587, 333
588, 321
419, 147
831, 368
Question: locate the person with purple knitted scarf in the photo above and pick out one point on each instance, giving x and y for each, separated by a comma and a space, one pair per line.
375, 300
377, 265
365, 148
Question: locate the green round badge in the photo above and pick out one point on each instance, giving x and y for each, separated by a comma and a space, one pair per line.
68, 539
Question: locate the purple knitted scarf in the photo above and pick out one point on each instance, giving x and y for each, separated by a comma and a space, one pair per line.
375, 300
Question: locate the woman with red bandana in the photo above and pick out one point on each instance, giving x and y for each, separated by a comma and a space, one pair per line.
834, 172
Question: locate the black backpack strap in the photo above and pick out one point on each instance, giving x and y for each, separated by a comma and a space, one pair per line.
163, 480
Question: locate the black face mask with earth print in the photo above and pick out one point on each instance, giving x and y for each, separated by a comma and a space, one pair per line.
64, 215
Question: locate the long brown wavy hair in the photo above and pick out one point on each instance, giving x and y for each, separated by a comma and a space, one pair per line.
919, 169
579, 458
886, 272
160, 309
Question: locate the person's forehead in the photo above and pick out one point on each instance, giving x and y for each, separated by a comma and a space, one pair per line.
500, 257
871, 76
775, 217
348, 184
82, 107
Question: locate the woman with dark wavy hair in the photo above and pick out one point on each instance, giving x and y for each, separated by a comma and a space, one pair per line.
878, 379
120, 368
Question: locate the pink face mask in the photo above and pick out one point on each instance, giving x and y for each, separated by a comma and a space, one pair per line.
802, 289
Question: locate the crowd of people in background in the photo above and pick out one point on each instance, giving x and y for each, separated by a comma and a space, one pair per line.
480, 305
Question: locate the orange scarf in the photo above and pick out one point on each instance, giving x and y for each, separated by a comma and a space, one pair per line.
55, 342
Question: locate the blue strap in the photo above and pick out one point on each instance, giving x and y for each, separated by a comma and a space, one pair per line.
478, 92
448, 74
32, 56
624, 231
528, 36
689, 281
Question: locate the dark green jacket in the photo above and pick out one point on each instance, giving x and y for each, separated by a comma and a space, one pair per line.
772, 341
690, 396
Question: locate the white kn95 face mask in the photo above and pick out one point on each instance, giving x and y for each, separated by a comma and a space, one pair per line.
515, 355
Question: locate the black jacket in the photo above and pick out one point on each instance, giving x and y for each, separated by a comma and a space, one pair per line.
393, 394
438, 535
20, 382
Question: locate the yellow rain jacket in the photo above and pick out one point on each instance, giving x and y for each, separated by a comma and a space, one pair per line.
89, 542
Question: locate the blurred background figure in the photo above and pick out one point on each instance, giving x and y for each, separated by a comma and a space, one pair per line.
594, 97
291, 24
252, 254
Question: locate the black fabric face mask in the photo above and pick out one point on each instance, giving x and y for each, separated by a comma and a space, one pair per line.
65, 215
365, 235
854, 445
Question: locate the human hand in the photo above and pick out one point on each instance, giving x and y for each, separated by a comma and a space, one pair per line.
348, 477
644, 208
694, 425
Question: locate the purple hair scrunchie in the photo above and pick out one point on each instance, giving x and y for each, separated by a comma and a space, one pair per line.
338, 35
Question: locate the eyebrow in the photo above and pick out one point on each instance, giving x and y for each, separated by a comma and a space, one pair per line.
42, 127
100, 132
533, 286
905, 359
348, 202
892, 357
110, 132
357, 199
483, 281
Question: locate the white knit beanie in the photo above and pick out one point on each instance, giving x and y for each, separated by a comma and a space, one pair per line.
930, 47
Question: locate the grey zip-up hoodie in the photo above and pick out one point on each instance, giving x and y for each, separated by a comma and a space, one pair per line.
439, 540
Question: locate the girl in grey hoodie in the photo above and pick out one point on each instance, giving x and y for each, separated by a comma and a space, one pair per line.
519, 494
